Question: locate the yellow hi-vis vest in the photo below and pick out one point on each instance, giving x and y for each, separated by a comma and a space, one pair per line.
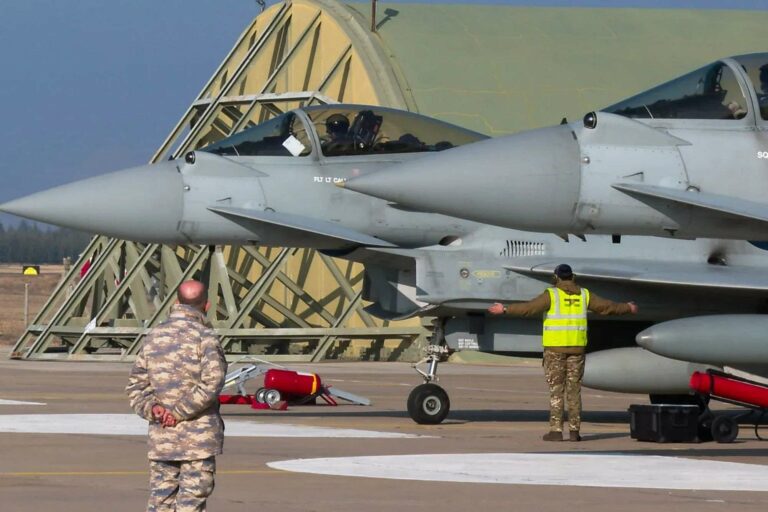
565, 324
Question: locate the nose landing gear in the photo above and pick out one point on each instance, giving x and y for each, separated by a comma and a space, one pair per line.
428, 403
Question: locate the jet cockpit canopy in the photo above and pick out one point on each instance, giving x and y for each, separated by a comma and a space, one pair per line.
379, 130
755, 66
712, 92
284, 135
343, 130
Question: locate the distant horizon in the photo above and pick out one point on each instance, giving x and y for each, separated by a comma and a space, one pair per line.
32, 224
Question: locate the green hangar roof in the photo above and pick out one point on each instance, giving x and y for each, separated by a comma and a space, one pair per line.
499, 69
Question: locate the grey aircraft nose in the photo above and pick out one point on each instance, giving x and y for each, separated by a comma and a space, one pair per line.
532, 177
141, 204
736, 340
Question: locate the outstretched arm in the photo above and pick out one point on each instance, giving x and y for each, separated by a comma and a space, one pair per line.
533, 307
603, 306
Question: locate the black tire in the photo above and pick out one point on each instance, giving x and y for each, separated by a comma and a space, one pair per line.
271, 397
704, 430
725, 429
428, 404
259, 395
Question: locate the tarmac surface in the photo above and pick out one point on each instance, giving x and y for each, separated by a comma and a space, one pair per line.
488, 455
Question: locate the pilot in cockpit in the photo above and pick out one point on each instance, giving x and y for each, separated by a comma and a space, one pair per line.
337, 136
762, 94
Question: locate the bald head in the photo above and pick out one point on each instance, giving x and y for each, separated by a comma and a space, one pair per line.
193, 293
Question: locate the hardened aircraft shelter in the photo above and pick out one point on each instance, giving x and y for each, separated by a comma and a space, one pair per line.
491, 68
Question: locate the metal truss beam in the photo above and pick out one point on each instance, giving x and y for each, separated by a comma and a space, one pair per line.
283, 304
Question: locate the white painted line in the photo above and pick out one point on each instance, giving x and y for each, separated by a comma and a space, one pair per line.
17, 402
584, 470
132, 425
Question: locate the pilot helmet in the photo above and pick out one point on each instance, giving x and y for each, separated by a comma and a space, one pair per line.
764, 77
337, 124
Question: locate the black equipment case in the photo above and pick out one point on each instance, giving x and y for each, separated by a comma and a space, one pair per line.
664, 423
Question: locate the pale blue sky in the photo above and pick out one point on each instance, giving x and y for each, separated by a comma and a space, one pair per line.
656, 4
93, 86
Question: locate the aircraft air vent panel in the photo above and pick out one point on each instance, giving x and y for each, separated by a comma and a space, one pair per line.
517, 248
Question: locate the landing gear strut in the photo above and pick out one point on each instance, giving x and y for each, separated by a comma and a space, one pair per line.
428, 403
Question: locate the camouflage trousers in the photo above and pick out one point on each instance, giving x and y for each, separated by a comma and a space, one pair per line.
180, 485
564, 373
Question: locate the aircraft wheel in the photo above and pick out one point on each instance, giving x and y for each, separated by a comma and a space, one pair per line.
271, 396
260, 395
428, 404
724, 429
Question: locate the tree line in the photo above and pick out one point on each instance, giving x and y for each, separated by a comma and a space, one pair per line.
29, 243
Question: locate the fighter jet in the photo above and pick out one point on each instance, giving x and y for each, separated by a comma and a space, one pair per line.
273, 184
688, 158
266, 185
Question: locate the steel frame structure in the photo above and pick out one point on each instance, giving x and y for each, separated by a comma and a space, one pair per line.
280, 303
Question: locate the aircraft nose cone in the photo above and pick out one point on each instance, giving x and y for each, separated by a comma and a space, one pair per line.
142, 204
647, 338
734, 340
529, 179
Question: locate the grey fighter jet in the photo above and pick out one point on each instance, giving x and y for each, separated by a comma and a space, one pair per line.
267, 185
273, 184
688, 158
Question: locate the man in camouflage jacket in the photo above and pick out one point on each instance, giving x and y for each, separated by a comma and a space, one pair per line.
175, 384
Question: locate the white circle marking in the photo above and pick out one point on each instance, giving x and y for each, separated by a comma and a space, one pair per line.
586, 470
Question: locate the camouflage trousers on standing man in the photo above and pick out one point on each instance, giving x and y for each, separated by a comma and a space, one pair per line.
180, 485
564, 373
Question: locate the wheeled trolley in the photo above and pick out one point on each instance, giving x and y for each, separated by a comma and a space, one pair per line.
734, 390
282, 387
